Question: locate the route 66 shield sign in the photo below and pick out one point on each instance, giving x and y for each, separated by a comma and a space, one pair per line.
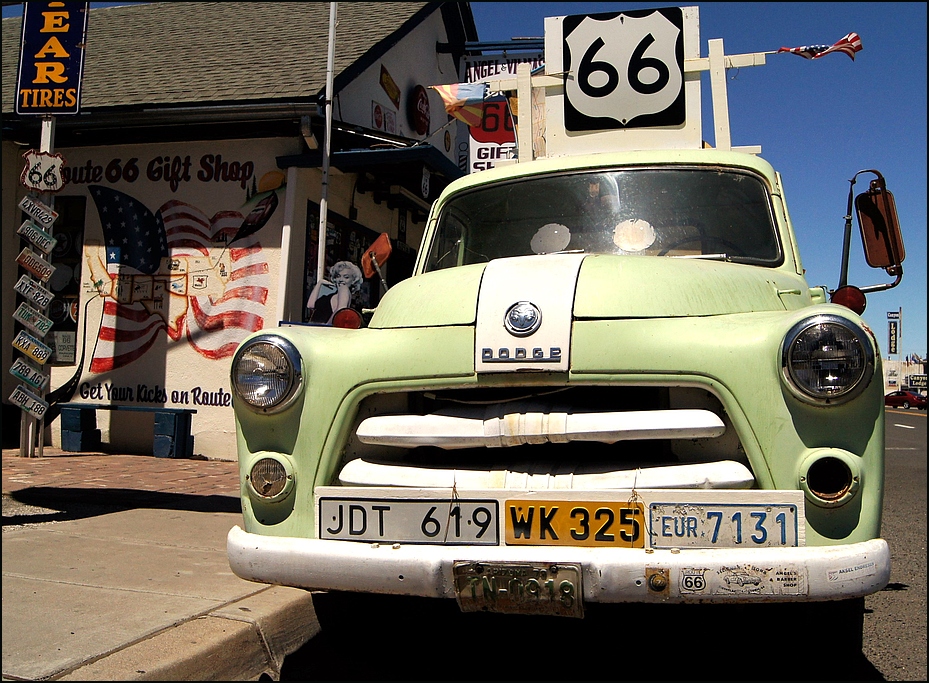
43, 171
624, 70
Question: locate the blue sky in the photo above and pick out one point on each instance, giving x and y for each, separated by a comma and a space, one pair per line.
817, 121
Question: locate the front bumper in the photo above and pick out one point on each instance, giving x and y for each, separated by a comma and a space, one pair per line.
609, 575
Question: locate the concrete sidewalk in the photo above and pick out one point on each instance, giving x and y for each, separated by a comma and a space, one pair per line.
114, 568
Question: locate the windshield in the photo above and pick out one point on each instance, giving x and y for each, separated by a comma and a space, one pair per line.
674, 212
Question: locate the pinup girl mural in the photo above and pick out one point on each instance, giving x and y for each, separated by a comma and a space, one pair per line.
334, 294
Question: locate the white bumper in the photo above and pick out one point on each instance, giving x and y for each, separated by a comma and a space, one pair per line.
609, 575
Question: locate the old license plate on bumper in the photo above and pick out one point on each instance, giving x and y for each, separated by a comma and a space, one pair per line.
520, 588
726, 525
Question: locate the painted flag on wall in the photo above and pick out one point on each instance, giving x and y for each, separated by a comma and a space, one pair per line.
214, 302
849, 45
137, 233
464, 101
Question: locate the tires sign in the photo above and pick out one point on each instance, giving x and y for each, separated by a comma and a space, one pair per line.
624, 70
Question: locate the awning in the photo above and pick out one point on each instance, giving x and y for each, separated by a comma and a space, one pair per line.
411, 177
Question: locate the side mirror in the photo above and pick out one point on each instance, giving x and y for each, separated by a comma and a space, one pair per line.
880, 228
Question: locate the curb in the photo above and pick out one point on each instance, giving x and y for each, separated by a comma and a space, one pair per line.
243, 640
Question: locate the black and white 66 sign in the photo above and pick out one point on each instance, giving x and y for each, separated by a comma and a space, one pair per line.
624, 69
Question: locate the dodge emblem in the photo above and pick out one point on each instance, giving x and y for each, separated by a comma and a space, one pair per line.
522, 319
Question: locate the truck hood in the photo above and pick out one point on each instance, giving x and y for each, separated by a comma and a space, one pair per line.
592, 286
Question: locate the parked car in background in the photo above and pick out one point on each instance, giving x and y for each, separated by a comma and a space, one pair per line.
905, 399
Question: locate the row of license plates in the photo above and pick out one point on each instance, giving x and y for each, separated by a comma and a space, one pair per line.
578, 523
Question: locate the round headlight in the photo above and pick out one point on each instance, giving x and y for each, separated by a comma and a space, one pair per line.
827, 359
267, 372
268, 478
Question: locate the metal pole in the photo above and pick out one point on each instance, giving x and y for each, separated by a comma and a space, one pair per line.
327, 148
32, 431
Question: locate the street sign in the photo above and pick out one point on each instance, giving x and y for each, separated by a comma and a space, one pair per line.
28, 373
40, 239
32, 347
29, 402
33, 291
51, 58
35, 264
43, 171
43, 215
32, 319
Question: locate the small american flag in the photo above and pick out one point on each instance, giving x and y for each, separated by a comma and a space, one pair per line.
213, 321
849, 45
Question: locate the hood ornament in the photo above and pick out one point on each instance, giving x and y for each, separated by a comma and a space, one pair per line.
522, 319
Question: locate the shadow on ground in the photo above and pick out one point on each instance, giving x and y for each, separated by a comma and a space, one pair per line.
407, 638
80, 503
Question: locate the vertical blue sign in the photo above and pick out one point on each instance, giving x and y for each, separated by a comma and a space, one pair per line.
51, 58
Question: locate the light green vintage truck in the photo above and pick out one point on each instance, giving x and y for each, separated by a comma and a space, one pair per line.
607, 381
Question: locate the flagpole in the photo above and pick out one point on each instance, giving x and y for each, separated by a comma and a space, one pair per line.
327, 148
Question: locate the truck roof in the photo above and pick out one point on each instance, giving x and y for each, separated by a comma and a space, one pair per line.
546, 165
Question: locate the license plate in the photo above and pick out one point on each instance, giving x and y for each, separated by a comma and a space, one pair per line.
32, 404
397, 520
32, 347
519, 588
724, 525
605, 524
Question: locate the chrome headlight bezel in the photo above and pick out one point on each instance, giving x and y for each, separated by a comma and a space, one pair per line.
797, 379
285, 358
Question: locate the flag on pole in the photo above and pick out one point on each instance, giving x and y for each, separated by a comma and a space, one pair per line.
464, 101
850, 44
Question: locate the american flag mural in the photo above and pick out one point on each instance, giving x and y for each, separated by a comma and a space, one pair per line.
211, 296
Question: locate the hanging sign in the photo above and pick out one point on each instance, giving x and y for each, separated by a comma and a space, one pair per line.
43, 171
32, 347
28, 373
35, 264
51, 58
40, 239
29, 402
43, 215
33, 291
892, 336
32, 319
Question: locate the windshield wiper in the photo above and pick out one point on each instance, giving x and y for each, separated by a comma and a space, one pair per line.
706, 257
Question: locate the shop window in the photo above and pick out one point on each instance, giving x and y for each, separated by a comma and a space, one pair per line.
346, 240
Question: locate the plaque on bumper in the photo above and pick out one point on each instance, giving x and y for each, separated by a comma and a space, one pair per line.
520, 588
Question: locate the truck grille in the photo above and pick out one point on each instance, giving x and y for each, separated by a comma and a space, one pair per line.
589, 437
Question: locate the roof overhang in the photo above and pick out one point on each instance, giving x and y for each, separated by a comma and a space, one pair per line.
395, 174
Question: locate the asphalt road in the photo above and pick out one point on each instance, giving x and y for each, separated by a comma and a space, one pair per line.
401, 638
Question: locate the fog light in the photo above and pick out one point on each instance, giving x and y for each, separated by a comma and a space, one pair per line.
830, 477
268, 477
